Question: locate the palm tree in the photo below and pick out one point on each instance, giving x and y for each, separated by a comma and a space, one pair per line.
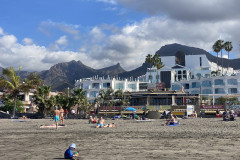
220, 45
228, 47
34, 80
78, 96
157, 63
217, 50
42, 99
149, 59
10, 81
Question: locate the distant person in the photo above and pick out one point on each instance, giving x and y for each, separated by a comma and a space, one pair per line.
101, 123
69, 152
73, 113
231, 117
61, 116
66, 113
171, 121
56, 116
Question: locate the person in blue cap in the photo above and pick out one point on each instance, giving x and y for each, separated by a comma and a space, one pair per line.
69, 152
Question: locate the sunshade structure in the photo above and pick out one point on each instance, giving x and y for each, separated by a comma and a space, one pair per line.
130, 109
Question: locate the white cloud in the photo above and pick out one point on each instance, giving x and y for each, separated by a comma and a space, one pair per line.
62, 40
8, 41
27, 41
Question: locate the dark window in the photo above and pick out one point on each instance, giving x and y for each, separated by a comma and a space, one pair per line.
180, 58
200, 61
166, 78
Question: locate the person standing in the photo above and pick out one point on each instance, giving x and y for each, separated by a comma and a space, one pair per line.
66, 113
61, 116
56, 116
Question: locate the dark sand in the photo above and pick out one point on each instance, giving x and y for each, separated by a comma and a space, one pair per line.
193, 139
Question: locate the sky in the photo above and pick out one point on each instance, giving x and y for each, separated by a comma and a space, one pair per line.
36, 34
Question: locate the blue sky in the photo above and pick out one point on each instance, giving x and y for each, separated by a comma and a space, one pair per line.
40, 33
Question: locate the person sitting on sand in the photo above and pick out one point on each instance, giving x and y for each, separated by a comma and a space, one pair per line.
23, 117
69, 152
194, 115
101, 123
93, 120
226, 116
90, 120
171, 121
231, 116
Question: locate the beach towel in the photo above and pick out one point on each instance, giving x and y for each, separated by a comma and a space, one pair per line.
175, 124
52, 126
148, 120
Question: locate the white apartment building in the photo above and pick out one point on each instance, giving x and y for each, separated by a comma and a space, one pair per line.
92, 86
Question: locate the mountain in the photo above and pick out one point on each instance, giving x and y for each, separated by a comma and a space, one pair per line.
63, 75
172, 49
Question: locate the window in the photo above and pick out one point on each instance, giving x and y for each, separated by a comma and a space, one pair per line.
195, 92
206, 91
199, 75
86, 87
200, 61
219, 91
132, 86
176, 87
95, 85
119, 86
186, 85
219, 82
232, 82
207, 84
195, 84
232, 90
180, 58
106, 85
207, 75
93, 94
150, 77
142, 86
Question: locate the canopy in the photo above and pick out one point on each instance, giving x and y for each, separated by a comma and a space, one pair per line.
130, 109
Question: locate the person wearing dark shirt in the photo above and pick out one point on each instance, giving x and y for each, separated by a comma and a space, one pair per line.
69, 152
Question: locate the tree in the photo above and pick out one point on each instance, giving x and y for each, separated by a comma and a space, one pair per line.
9, 104
220, 45
78, 96
149, 59
157, 63
228, 47
216, 49
43, 100
10, 81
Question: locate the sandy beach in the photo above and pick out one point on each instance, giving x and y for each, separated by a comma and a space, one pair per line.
208, 138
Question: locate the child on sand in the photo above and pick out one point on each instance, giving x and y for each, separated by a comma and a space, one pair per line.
69, 152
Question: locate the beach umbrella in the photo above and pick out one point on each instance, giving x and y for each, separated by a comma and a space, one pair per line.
130, 109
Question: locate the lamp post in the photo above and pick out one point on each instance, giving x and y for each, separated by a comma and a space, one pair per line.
68, 91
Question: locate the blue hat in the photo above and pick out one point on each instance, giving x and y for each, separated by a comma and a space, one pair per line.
72, 146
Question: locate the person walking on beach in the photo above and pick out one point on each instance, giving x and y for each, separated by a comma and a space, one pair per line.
61, 116
56, 116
